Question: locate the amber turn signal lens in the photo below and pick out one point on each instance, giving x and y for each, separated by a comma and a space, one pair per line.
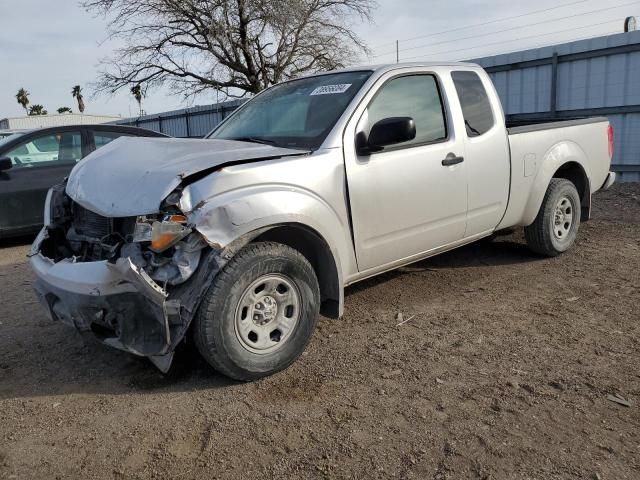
176, 219
169, 232
163, 242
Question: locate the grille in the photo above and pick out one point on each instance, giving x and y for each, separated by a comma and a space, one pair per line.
91, 224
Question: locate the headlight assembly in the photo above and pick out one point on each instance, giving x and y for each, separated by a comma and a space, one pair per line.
162, 234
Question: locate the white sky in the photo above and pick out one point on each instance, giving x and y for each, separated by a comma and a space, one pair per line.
47, 46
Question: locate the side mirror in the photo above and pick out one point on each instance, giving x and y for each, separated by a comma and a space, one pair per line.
388, 131
5, 164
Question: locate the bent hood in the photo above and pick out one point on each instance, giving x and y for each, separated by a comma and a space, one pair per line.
133, 175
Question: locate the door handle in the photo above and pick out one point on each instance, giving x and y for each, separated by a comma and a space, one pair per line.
452, 159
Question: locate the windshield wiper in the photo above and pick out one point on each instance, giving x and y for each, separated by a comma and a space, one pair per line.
263, 141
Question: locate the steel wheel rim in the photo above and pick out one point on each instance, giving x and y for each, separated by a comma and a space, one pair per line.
562, 219
267, 313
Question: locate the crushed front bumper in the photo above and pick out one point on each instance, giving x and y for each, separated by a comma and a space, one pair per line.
118, 302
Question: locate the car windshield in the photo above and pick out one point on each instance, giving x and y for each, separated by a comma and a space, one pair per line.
296, 114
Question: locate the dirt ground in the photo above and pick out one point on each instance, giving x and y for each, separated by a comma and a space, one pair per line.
503, 373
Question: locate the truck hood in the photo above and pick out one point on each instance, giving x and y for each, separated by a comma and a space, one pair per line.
133, 175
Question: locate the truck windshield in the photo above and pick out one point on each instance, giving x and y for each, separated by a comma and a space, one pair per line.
296, 114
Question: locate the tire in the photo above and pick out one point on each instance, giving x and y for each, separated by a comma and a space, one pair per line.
260, 312
555, 228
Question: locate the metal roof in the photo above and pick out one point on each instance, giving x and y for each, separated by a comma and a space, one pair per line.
54, 120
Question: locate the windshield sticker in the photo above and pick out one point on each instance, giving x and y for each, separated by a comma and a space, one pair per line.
331, 89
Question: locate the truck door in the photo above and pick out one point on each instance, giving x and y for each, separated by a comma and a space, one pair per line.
486, 152
409, 198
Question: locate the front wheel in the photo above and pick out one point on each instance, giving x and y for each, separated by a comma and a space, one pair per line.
555, 228
260, 312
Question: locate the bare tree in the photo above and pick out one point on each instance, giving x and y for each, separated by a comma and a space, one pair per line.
238, 45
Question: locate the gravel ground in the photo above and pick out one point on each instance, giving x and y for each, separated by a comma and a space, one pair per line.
504, 372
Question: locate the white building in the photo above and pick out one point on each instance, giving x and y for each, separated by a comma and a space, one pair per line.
56, 120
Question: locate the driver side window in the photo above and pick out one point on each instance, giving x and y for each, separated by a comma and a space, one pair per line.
55, 148
415, 96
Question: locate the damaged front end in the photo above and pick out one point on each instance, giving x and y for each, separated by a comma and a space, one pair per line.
135, 282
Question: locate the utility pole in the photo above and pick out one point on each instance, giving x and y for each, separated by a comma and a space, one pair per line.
397, 51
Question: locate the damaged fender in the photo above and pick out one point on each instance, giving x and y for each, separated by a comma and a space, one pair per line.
240, 213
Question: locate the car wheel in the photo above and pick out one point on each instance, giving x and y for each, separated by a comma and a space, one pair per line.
556, 226
260, 312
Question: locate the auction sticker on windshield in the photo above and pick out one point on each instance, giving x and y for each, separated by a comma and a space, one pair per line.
331, 89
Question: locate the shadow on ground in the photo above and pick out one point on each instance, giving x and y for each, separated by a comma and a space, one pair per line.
16, 241
500, 251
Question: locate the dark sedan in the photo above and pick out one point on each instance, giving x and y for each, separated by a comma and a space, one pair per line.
31, 162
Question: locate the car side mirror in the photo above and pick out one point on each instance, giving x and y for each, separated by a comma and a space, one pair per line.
5, 164
388, 131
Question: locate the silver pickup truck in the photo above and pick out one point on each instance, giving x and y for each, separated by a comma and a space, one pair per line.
238, 241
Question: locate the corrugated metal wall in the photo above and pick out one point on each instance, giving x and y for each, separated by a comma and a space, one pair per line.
599, 76
194, 122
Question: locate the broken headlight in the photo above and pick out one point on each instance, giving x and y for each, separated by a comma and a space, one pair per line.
56, 205
162, 233
172, 251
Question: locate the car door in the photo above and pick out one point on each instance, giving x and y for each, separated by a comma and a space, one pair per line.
39, 162
409, 198
487, 152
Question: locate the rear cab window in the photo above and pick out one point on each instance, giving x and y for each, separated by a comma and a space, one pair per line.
476, 107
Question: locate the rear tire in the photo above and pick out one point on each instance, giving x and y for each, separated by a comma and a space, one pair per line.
555, 228
260, 312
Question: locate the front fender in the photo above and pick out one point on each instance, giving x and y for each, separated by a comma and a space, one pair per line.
223, 218
560, 154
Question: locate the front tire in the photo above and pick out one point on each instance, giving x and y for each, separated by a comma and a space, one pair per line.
555, 228
260, 312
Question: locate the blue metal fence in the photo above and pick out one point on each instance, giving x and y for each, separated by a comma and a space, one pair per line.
598, 76
194, 122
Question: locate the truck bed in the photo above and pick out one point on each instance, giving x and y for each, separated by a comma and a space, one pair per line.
539, 149
515, 127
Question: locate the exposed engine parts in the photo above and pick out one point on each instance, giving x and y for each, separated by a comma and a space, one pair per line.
87, 236
171, 267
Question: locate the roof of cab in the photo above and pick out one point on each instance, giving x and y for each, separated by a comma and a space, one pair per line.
388, 67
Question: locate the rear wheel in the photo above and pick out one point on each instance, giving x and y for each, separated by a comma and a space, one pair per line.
555, 228
260, 312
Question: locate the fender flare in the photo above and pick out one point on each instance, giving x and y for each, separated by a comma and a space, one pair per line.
561, 154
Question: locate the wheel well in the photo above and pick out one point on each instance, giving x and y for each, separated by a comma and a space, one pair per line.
574, 172
319, 255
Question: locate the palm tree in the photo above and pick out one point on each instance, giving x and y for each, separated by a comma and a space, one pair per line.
64, 110
136, 91
37, 110
23, 98
77, 94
